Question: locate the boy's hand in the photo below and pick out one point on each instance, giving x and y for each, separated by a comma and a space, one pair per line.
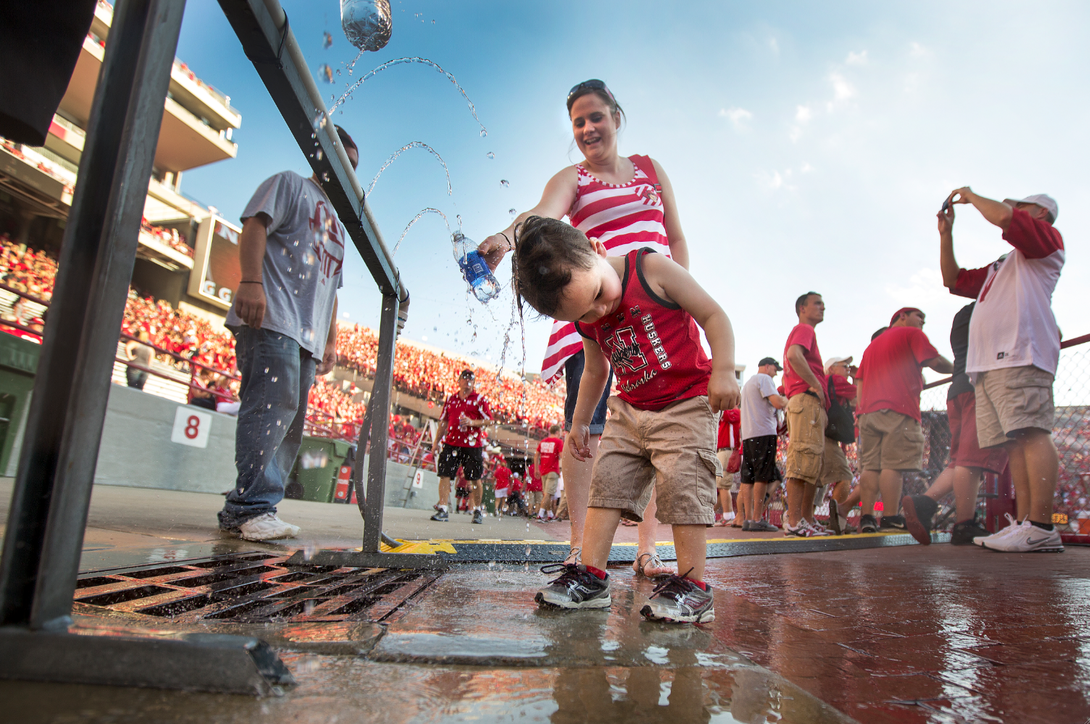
578, 441
723, 393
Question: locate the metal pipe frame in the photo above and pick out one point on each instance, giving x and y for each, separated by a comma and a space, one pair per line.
44, 538
64, 424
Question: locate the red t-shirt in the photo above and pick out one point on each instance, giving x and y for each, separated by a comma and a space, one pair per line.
804, 336
653, 345
890, 371
730, 430
534, 486
549, 449
475, 407
503, 477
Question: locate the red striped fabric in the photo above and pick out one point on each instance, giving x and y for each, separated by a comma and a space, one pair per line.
624, 218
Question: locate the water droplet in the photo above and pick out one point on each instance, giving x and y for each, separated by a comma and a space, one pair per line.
512, 211
325, 72
274, 378
278, 423
319, 121
483, 133
505, 183
266, 370
327, 40
319, 154
490, 155
294, 243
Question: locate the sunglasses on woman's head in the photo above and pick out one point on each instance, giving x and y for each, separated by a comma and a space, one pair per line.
592, 84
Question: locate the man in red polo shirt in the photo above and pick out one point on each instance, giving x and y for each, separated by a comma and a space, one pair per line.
804, 387
547, 463
890, 439
461, 438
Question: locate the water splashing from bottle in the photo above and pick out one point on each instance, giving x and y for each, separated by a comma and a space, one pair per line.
325, 73
406, 147
490, 155
417, 218
403, 61
367, 23
505, 183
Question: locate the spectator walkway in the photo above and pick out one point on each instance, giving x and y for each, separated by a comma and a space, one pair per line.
898, 633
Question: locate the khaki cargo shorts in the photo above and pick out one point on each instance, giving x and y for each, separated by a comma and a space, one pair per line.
548, 485
806, 421
1012, 399
671, 450
727, 481
889, 440
834, 466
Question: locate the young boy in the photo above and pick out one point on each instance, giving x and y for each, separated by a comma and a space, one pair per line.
638, 313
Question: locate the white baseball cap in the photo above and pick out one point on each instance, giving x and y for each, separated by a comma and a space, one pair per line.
835, 360
1043, 200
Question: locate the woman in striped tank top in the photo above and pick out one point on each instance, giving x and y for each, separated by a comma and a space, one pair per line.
625, 202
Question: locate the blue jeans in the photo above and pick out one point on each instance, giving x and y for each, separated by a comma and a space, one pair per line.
276, 377
573, 374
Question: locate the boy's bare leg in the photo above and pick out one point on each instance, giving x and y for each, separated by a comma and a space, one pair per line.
796, 489
601, 526
691, 546
476, 494
943, 485
577, 489
891, 483
742, 514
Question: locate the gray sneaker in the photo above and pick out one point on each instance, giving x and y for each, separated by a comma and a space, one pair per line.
762, 526
679, 600
746, 525
575, 588
478, 517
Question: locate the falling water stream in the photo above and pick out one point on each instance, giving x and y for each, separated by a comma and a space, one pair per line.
403, 61
406, 147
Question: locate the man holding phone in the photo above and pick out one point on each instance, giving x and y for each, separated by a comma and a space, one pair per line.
1014, 349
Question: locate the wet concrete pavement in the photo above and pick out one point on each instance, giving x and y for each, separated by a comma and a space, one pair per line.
908, 634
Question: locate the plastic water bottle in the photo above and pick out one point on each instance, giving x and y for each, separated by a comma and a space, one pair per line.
476, 272
366, 23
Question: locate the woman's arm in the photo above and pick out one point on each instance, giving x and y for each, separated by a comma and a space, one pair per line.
556, 199
679, 248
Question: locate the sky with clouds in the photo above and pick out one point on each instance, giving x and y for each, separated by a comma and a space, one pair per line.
809, 145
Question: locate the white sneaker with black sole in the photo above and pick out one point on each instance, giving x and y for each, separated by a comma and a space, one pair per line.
679, 600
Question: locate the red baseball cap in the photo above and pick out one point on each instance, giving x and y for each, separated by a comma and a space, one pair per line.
902, 310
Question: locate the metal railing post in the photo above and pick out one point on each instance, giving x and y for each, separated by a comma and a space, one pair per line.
64, 424
380, 423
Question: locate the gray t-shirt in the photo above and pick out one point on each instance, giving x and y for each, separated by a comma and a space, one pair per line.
301, 272
758, 414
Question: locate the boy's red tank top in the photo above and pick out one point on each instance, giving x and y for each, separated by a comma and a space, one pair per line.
653, 345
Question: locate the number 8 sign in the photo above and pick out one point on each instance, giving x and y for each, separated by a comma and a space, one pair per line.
191, 427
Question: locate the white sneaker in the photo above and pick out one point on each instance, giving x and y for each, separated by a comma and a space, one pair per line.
267, 527
1029, 539
1012, 526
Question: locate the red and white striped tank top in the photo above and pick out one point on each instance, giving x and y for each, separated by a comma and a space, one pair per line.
624, 218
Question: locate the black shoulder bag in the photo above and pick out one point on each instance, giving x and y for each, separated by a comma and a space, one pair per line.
841, 425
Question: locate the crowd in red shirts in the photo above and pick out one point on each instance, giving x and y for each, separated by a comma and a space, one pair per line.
167, 237
433, 376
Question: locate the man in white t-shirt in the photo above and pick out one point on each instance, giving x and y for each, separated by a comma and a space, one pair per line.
1014, 348
760, 400
284, 318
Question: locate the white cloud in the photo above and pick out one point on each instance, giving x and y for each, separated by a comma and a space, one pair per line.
859, 58
803, 114
918, 51
806, 168
737, 116
773, 45
842, 89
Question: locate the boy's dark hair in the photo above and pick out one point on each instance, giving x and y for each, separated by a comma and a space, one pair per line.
801, 301
546, 252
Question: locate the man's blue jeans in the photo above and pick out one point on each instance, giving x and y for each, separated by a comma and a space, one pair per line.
276, 377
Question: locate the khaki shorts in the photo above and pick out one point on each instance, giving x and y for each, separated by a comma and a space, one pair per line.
1012, 399
834, 466
548, 483
533, 499
806, 421
671, 450
889, 440
727, 481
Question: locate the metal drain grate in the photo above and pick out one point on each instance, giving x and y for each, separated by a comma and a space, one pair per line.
254, 588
